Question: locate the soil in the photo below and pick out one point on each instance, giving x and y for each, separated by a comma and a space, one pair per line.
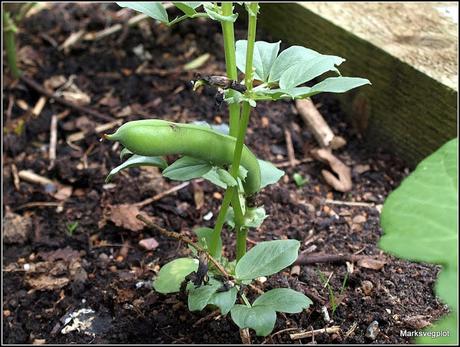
51, 271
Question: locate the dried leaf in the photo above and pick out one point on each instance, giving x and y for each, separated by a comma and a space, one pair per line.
66, 254
373, 264
124, 216
16, 228
46, 282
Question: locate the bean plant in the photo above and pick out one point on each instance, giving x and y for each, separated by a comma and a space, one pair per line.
208, 277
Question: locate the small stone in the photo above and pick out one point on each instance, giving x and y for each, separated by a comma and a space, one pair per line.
217, 196
113, 268
6, 313
367, 287
373, 330
265, 122
359, 219
149, 244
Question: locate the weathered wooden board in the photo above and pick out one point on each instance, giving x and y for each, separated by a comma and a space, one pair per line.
411, 107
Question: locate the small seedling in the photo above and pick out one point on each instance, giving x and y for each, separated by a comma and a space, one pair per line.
299, 180
71, 227
208, 277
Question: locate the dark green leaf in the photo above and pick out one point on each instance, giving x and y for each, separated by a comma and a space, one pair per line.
172, 274
260, 318
136, 161
283, 300
152, 9
224, 300
187, 168
226, 177
187, 7
198, 297
420, 222
267, 258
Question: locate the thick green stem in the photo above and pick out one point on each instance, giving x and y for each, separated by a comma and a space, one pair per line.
232, 194
9, 33
246, 111
230, 62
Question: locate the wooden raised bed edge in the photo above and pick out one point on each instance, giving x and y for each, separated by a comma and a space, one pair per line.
404, 111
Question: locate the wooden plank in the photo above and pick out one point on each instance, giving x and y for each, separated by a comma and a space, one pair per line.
407, 111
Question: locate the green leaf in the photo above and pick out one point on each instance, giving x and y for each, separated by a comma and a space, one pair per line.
264, 56
253, 217
187, 168
187, 7
224, 300
283, 300
136, 161
299, 180
260, 318
172, 275
304, 72
211, 10
420, 223
269, 173
126, 152
197, 62
445, 325
151, 9
213, 177
267, 258
204, 237
225, 177
289, 57
198, 297
338, 85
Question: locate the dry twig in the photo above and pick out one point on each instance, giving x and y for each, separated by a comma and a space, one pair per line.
331, 330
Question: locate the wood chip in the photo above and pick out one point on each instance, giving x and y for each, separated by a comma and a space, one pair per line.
301, 335
343, 182
369, 263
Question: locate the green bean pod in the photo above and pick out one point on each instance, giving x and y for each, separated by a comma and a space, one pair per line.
154, 137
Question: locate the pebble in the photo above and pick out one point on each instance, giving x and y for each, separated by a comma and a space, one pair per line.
373, 330
367, 287
6, 313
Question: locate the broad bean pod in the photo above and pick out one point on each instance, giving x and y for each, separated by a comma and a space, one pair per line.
154, 137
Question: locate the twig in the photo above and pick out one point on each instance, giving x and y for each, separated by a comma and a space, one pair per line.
296, 162
206, 318
318, 125
349, 203
39, 204
53, 141
34, 85
331, 330
161, 195
32, 177
38, 108
245, 336
290, 147
277, 333
306, 259
14, 171
179, 237
343, 183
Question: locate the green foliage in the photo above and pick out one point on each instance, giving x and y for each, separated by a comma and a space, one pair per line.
71, 227
283, 300
299, 180
260, 318
267, 258
209, 152
152, 9
172, 275
136, 161
419, 220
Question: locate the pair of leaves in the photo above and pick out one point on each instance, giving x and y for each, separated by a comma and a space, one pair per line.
420, 223
261, 316
157, 11
292, 67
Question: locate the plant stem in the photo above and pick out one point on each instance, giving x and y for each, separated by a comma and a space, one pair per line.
246, 111
245, 299
220, 221
9, 32
184, 17
230, 62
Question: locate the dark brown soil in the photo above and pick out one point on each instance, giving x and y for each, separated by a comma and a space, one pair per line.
102, 265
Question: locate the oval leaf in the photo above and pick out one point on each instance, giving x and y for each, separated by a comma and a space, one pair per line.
269, 173
283, 300
187, 168
267, 258
260, 318
264, 56
304, 72
173, 274
224, 300
136, 161
338, 85
198, 297
289, 57
151, 9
